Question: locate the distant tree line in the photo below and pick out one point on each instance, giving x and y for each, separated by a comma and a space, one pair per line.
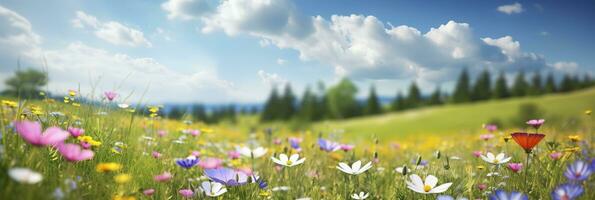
340, 102
199, 112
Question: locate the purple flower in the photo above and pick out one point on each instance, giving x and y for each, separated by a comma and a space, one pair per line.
295, 143
188, 162
578, 171
328, 146
567, 192
227, 176
491, 127
186, 193
31, 132
535, 123
503, 195
110, 95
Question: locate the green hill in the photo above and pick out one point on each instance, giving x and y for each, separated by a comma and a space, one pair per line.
562, 110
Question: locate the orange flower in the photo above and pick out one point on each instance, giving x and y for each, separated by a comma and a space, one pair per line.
527, 140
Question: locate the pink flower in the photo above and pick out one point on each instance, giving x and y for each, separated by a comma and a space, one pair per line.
277, 141
555, 155
195, 153
161, 133
210, 163
164, 177
536, 123
347, 147
482, 186
486, 137
515, 167
491, 127
246, 170
156, 154
110, 95
233, 154
75, 132
74, 153
31, 132
186, 193
195, 132
85, 145
477, 153
149, 192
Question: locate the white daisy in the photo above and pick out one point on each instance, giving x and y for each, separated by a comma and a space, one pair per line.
355, 169
288, 162
212, 189
123, 105
496, 160
426, 187
256, 153
361, 195
24, 175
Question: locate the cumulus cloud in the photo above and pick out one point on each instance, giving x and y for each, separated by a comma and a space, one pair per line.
510, 9
565, 66
111, 31
17, 38
186, 9
281, 61
271, 79
79, 65
365, 47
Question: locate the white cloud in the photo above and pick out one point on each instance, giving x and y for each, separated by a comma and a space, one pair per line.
565, 66
281, 61
510, 9
90, 68
111, 31
186, 9
271, 79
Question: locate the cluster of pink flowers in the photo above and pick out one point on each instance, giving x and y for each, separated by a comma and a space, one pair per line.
31, 132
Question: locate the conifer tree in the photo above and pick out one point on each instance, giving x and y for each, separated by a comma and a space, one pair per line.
520, 85
501, 88
483, 87
462, 89
372, 104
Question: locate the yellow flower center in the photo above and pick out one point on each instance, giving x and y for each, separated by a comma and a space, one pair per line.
427, 188
289, 162
496, 161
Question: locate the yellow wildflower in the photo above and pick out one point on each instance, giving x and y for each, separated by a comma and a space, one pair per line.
8, 103
89, 139
122, 178
121, 197
481, 167
108, 167
72, 93
587, 112
574, 138
507, 138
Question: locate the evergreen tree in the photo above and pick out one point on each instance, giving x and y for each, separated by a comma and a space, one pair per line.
414, 99
271, 106
501, 87
536, 84
436, 97
550, 84
175, 113
461, 92
321, 108
287, 104
520, 85
372, 104
567, 83
307, 109
398, 103
482, 88
586, 82
199, 113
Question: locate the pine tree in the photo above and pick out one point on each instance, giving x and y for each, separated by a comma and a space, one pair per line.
372, 104
567, 83
270, 110
461, 93
307, 109
175, 113
436, 97
520, 85
536, 84
550, 84
199, 113
414, 97
482, 88
398, 103
287, 107
586, 82
501, 87
321, 111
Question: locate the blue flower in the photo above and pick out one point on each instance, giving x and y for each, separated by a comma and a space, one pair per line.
188, 162
503, 195
578, 171
227, 176
567, 192
262, 184
328, 146
447, 197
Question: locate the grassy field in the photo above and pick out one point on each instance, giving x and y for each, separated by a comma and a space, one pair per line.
131, 151
561, 111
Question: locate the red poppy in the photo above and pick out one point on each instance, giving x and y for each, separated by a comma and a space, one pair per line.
527, 140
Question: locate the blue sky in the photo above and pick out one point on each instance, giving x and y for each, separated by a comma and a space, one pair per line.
236, 50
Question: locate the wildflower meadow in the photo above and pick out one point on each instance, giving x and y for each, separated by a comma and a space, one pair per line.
70, 150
